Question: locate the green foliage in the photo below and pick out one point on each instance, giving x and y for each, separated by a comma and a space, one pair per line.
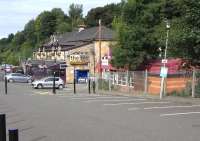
141, 30
106, 13
63, 27
103, 85
76, 14
139, 24
197, 86
136, 40
45, 25
22, 44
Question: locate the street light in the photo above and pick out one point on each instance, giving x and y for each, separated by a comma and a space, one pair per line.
164, 61
167, 38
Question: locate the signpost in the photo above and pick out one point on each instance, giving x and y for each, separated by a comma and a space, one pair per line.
163, 74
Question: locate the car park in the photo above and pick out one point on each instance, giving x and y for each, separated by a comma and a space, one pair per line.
47, 82
18, 77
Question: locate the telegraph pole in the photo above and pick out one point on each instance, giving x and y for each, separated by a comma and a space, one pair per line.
100, 64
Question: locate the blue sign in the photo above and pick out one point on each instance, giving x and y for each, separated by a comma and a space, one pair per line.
163, 72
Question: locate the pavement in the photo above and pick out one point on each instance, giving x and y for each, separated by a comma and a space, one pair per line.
42, 116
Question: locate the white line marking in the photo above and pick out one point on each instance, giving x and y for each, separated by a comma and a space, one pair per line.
84, 98
136, 103
168, 107
133, 109
164, 107
114, 100
93, 98
176, 114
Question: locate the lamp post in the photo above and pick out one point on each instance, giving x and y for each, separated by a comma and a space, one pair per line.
167, 38
164, 61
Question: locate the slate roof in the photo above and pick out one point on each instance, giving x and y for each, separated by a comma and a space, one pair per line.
48, 63
75, 39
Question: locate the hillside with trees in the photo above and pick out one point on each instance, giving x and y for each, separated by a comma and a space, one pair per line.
140, 26
37, 31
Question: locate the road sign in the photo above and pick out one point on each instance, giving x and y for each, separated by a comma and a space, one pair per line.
163, 71
164, 61
104, 62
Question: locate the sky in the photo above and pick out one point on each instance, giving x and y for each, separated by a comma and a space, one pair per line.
14, 14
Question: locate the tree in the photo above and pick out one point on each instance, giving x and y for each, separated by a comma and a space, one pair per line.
45, 25
63, 27
30, 32
188, 45
135, 30
106, 13
75, 14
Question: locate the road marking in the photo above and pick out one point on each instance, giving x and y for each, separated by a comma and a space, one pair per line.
135, 103
177, 114
84, 98
114, 100
94, 98
168, 107
164, 107
133, 109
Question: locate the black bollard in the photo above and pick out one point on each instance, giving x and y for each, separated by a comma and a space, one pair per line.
54, 83
89, 91
13, 135
6, 85
2, 127
93, 85
74, 86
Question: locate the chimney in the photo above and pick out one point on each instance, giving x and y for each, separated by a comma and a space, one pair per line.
81, 27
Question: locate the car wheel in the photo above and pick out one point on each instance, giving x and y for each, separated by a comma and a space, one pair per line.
29, 81
11, 80
39, 86
60, 87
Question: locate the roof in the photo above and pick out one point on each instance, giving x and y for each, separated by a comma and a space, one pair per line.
88, 35
48, 63
75, 39
173, 65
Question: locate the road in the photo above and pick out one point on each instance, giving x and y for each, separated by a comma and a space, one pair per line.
42, 116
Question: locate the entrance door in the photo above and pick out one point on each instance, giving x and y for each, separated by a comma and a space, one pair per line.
81, 81
82, 76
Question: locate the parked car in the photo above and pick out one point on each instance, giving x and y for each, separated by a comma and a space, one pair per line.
18, 77
47, 82
6, 67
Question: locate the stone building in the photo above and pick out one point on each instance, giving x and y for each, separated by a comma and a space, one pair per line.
81, 50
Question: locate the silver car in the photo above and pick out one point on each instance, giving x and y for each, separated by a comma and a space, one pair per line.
47, 82
18, 77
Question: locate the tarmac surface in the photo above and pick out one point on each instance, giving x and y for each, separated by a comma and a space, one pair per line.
42, 116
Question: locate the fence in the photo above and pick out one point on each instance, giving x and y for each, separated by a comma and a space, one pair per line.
182, 83
124, 82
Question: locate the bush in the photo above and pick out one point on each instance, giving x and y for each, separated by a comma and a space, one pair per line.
103, 85
197, 89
